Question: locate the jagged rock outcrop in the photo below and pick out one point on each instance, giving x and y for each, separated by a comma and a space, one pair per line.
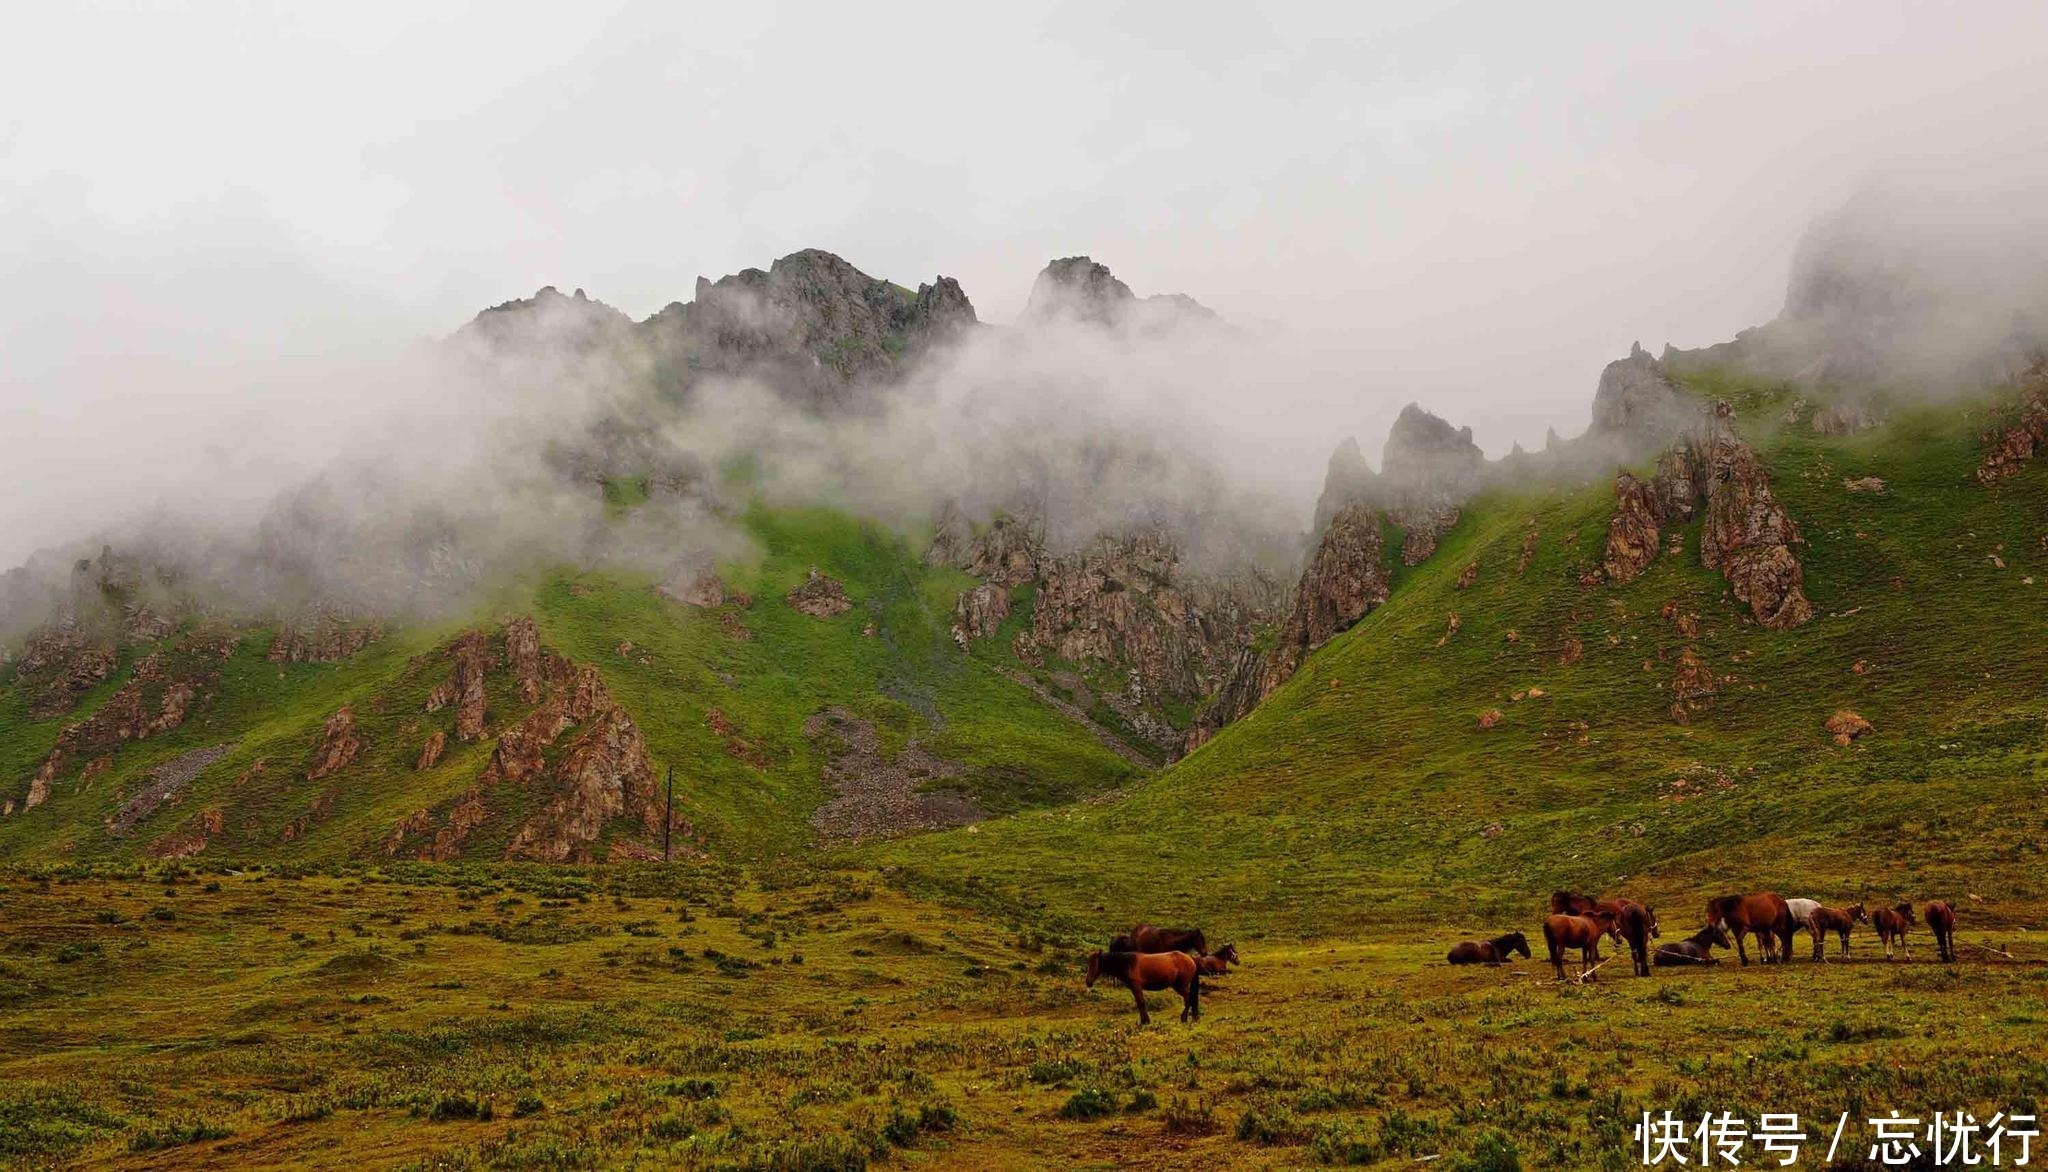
601, 776
430, 752
698, 586
1077, 289
979, 613
1745, 532
813, 327
1345, 579
1845, 726
820, 597
1005, 551
59, 666
322, 639
1636, 402
157, 697
339, 744
464, 687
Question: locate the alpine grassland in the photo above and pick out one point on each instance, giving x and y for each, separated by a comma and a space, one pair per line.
296, 993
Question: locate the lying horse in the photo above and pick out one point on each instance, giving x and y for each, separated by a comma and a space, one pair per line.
1838, 920
1941, 920
1498, 950
1146, 938
1151, 972
1696, 949
1580, 932
1218, 963
1891, 924
1638, 925
1762, 912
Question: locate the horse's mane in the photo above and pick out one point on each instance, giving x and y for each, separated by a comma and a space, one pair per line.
1705, 936
1501, 943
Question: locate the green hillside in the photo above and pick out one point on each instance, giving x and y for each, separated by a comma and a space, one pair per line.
1364, 792
748, 791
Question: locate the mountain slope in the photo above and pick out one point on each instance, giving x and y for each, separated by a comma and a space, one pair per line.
1366, 789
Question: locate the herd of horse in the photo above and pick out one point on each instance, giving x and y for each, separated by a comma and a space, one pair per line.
1582, 921
1150, 959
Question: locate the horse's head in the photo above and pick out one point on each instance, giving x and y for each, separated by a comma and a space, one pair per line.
1650, 914
1094, 968
1227, 954
1123, 943
1717, 935
1518, 943
1858, 915
1905, 910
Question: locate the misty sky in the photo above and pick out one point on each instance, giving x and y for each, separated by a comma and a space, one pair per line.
1473, 206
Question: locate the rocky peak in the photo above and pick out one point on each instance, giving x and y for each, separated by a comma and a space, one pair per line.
1636, 402
1425, 452
1348, 479
1078, 288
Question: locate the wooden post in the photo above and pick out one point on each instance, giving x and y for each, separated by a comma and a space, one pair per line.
668, 816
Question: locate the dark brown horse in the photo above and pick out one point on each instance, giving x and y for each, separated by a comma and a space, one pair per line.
1151, 972
1566, 903
1580, 932
1764, 913
1838, 920
1495, 951
1638, 926
1218, 963
1146, 938
1891, 924
1941, 920
1696, 949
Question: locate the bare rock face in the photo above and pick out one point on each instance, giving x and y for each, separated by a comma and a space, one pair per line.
191, 839
464, 687
601, 776
604, 774
697, 586
66, 665
339, 745
1076, 289
430, 753
1693, 681
820, 597
1632, 531
1006, 551
1745, 533
2009, 448
1844, 419
1636, 402
980, 613
1345, 579
813, 326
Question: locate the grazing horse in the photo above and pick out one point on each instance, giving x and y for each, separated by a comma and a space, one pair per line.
1218, 963
1498, 950
1580, 932
1696, 949
1762, 912
1146, 938
1941, 920
1838, 920
1637, 925
1891, 924
1151, 972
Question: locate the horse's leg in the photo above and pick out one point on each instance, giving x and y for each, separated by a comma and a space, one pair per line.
1193, 1008
1138, 995
1820, 936
1741, 949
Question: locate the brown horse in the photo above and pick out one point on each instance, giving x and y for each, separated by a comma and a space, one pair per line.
1838, 920
1566, 903
1146, 938
1498, 950
1638, 925
1580, 932
1764, 913
1891, 924
1696, 949
1151, 972
1941, 920
1218, 963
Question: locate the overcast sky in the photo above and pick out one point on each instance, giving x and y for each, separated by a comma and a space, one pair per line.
1474, 206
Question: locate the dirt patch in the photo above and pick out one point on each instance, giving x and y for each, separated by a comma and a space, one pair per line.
164, 783
877, 796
